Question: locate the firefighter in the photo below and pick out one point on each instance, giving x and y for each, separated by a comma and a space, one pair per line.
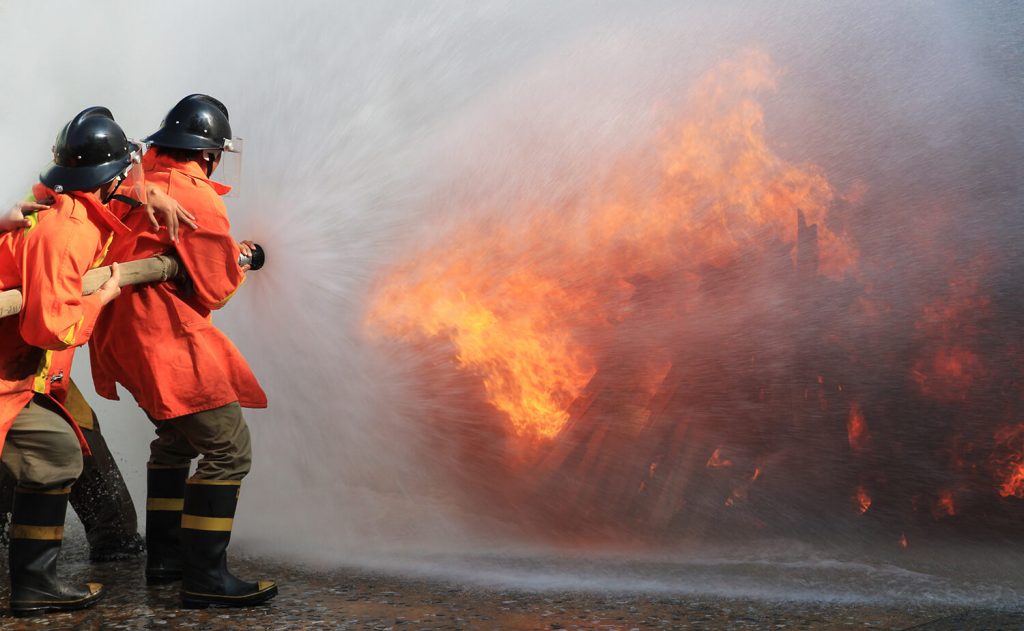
42, 446
100, 497
158, 341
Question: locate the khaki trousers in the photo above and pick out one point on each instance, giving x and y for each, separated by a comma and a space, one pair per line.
42, 452
220, 435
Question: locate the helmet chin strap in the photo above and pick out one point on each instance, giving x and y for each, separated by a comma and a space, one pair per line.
131, 201
113, 195
210, 157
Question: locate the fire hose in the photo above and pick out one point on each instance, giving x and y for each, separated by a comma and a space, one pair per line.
155, 269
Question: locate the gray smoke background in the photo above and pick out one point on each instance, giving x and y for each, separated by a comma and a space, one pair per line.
361, 118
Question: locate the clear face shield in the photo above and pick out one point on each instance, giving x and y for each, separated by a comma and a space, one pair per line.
131, 188
229, 169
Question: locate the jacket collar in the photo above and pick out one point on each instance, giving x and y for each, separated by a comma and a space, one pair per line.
97, 211
191, 168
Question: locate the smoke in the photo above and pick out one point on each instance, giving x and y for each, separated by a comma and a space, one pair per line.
374, 130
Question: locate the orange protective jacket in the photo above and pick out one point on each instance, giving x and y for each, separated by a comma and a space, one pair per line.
47, 261
158, 340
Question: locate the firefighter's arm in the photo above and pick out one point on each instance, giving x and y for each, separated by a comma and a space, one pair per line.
15, 217
210, 255
55, 315
161, 204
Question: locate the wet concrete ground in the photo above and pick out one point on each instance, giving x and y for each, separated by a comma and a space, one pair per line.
354, 599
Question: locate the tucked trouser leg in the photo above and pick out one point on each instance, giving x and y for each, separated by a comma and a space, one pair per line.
211, 496
102, 502
222, 437
41, 451
43, 455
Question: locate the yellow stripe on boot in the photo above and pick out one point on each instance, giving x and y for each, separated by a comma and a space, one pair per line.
39, 533
210, 524
165, 503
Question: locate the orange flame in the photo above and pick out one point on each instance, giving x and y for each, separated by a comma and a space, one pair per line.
1013, 484
737, 496
1011, 467
857, 429
518, 297
903, 541
944, 505
951, 325
716, 461
863, 499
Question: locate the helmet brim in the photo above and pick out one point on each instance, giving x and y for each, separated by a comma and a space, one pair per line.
172, 139
82, 178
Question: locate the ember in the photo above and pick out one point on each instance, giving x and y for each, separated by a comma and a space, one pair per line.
716, 461
856, 429
863, 499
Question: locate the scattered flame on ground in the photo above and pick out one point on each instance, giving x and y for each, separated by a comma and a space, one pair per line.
903, 541
738, 495
716, 461
857, 429
1011, 466
863, 499
944, 505
1013, 484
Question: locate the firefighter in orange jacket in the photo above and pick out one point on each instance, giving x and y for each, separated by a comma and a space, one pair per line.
158, 342
41, 445
99, 497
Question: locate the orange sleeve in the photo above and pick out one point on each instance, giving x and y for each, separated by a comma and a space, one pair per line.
55, 315
210, 254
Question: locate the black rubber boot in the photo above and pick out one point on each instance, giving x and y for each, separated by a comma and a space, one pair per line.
37, 530
117, 548
7, 485
205, 533
165, 497
103, 504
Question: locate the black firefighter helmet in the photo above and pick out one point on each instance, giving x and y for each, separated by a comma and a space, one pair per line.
198, 122
90, 151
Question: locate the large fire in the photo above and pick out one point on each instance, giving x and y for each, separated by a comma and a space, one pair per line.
519, 303
667, 344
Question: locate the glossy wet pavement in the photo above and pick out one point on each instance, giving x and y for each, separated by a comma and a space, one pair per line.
354, 599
